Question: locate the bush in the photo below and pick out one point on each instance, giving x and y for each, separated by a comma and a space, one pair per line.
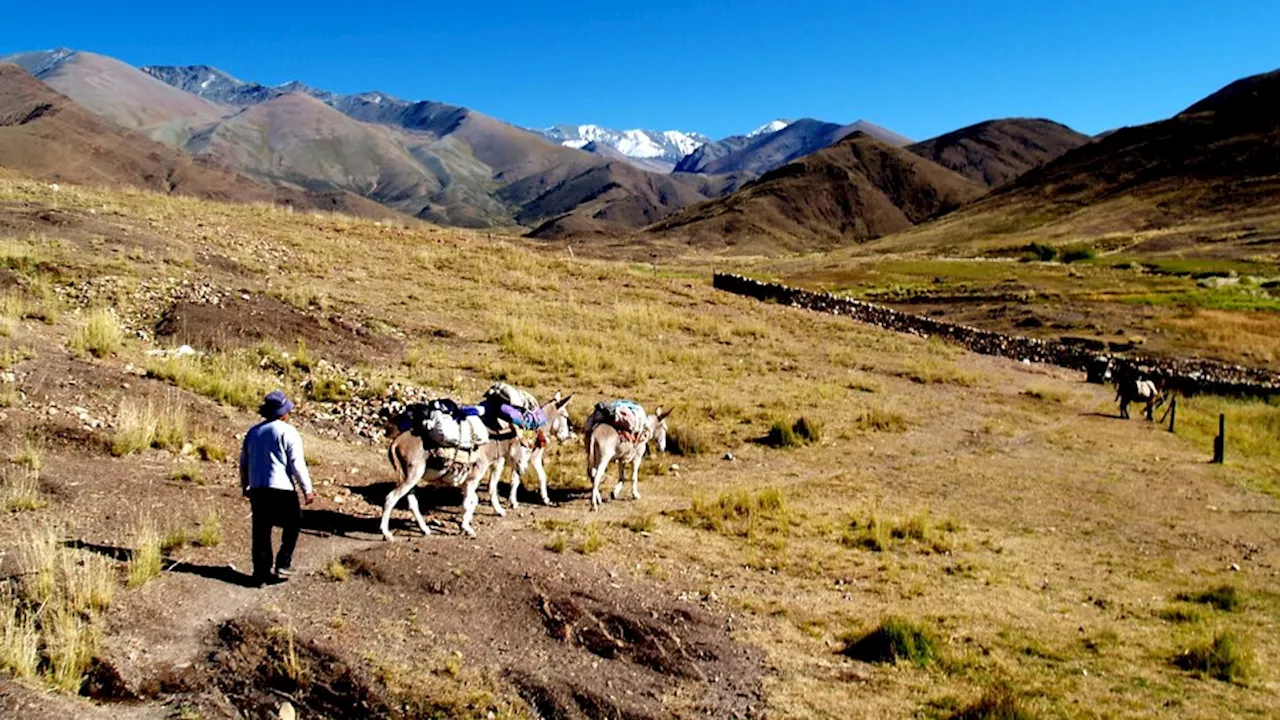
997, 703
1226, 658
896, 640
336, 571
881, 420
100, 335
1043, 253
20, 492
1223, 597
1079, 254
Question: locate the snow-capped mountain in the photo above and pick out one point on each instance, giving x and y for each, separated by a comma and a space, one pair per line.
665, 147
769, 128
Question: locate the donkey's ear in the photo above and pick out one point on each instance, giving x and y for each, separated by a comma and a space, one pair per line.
561, 403
662, 415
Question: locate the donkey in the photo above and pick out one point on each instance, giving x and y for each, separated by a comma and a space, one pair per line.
413, 463
606, 444
508, 447
1131, 387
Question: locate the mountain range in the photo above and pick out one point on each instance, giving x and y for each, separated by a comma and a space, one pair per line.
789, 185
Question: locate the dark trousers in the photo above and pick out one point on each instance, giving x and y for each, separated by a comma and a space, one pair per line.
272, 509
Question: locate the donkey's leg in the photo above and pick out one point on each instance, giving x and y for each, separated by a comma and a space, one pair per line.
498, 466
622, 477
417, 513
406, 486
635, 477
518, 465
541, 472
597, 476
470, 500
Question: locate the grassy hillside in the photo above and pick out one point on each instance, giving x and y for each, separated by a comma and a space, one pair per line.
943, 533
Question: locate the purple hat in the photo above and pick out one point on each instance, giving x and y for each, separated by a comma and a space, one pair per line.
275, 405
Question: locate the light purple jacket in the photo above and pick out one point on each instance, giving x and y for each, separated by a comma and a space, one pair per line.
272, 457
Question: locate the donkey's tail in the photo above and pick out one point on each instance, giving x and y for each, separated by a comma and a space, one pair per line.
395, 461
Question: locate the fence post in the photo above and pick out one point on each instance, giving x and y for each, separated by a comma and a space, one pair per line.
1220, 442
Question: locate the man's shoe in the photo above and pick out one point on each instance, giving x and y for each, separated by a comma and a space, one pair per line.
284, 573
260, 582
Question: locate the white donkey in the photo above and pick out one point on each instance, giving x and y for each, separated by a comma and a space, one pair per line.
414, 463
509, 447
606, 444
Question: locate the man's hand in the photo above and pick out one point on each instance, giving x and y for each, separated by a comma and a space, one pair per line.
309, 497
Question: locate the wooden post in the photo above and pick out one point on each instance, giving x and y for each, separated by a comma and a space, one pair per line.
1173, 413
1220, 442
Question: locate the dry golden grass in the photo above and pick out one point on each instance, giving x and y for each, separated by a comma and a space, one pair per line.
20, 490
145, 424
1062, 529
99, 335
145, 562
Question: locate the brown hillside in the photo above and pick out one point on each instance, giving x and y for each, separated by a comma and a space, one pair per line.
45, 135
997, 151
610, 199
855, 190
1216, 162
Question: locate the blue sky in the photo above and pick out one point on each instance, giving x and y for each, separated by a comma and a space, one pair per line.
719, 67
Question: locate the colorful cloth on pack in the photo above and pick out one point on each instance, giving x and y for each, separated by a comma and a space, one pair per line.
626, 416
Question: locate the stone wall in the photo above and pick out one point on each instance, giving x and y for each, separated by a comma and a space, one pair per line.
1188, 376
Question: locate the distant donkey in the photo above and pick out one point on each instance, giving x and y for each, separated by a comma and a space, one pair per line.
508, 445
1132, 387
608, 439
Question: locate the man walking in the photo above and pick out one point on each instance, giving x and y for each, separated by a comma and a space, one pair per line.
271, 465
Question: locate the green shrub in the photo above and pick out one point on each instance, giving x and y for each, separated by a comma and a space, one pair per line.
1078, 254
1043, 253
1226, 658
209, 531
896, 640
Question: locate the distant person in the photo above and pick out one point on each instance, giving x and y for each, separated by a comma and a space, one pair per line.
272, 470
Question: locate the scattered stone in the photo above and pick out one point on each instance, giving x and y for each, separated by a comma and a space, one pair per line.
730, 457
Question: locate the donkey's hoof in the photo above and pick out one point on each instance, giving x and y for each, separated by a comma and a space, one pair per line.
387, 537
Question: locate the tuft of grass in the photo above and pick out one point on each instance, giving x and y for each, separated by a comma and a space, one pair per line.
1223, 597
593, 542
329, 389
895, 640
687, 441
31, 456
99, 335
142, 425
19, 638
20, 492
557, 544
70, 643
234, 379
146, 560
877, 534
188, 474
739, 513
998, 702
336, 571
11, 313
174, 539
642, 523
1226, 658
790, 435
880, 420
209, 449
1045, 393
209, 531
1180, 614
